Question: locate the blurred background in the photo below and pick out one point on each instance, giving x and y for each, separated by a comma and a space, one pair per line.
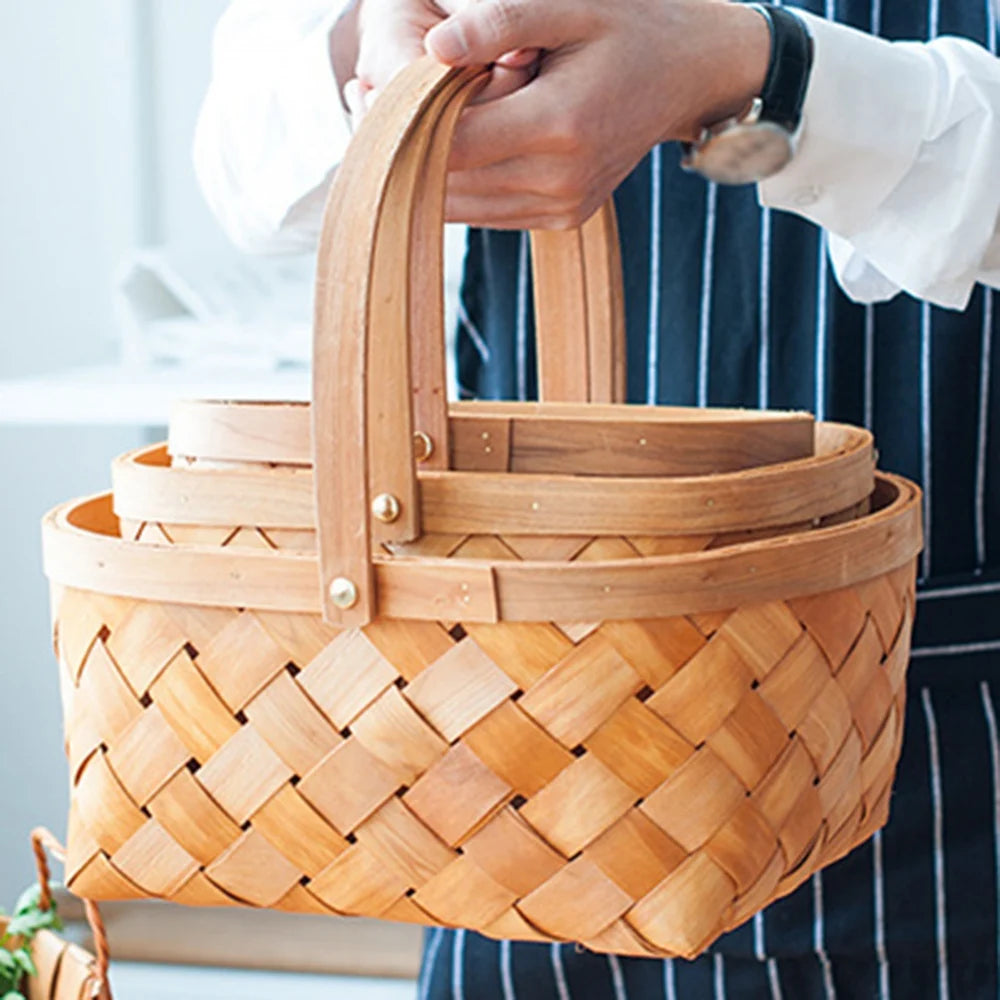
118, 293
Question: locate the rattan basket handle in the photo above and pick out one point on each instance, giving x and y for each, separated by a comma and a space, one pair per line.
44, 843
375, 263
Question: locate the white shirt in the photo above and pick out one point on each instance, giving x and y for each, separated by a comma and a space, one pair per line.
898, 154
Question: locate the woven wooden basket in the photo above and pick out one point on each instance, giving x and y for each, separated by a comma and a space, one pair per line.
489, 706
65, 971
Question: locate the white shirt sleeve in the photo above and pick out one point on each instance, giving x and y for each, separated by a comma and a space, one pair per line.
899, 160
272, 127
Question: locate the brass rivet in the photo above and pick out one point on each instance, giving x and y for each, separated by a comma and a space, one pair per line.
535, 505
385, 507
642, 441
343, 593
423, 446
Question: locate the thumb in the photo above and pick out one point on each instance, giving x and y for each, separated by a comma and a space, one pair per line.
482, 32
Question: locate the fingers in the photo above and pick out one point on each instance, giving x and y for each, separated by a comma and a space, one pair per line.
354, 98
542, 117
519, 211
480, 33
503, 82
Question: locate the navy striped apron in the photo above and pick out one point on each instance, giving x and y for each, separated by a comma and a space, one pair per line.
731, 305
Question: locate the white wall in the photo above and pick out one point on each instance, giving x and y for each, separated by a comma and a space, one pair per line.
99, 100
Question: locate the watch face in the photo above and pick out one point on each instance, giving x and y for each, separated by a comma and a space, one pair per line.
742, 154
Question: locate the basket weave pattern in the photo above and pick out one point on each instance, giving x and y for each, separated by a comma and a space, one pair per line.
640, 786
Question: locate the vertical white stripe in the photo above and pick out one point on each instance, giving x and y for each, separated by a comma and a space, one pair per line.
760, 951
506, 972
878, 886
719, 978
991, 727
430, 961
869, 389
458, 967
773, 979
707, 273
473, 333
981, 438
819, 403
818, 934
937, 804
925, 432
562, 987
669, 980
617, 978
933, 10
764, 357
876, 29
655, 234
521, 320
991, 25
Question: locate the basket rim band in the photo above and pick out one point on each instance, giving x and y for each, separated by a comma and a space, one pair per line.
779, 568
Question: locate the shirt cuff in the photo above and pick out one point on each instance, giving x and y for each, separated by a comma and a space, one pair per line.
847, 142
315, 125
272, 126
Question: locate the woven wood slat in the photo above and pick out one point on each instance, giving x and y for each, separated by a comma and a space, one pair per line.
667, 815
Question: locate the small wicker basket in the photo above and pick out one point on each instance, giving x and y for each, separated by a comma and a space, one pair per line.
571, 671
65, 971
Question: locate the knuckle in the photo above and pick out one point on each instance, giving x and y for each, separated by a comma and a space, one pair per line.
503, 17
560, 221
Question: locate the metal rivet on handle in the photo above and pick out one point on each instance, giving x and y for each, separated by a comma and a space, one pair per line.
343, 593
385, 507
423, 446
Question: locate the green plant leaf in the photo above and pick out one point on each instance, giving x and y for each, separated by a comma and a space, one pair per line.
28, 924
27, 964
13, 995
30, 899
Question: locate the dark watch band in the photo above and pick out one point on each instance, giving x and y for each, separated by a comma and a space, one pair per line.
788, 69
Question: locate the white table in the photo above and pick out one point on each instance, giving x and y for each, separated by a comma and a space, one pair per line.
139, 981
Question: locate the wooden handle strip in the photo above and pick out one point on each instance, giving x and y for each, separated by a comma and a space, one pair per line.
389, 196
579, 310
347, 308
43, 843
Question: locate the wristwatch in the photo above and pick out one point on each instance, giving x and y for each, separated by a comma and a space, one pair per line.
760, 140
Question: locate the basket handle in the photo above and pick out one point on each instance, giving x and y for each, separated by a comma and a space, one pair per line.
579, 307
44, 843
370, 315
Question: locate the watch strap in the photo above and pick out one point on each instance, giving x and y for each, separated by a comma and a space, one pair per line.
788, 69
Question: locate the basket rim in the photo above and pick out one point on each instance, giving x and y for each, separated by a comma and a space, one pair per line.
78, 555
147, 488
279, 431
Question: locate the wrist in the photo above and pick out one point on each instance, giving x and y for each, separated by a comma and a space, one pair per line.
737, 67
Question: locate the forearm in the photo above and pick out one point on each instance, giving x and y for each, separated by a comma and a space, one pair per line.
898, 159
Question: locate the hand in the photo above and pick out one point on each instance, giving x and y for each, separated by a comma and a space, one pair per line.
389, 34
616, 79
